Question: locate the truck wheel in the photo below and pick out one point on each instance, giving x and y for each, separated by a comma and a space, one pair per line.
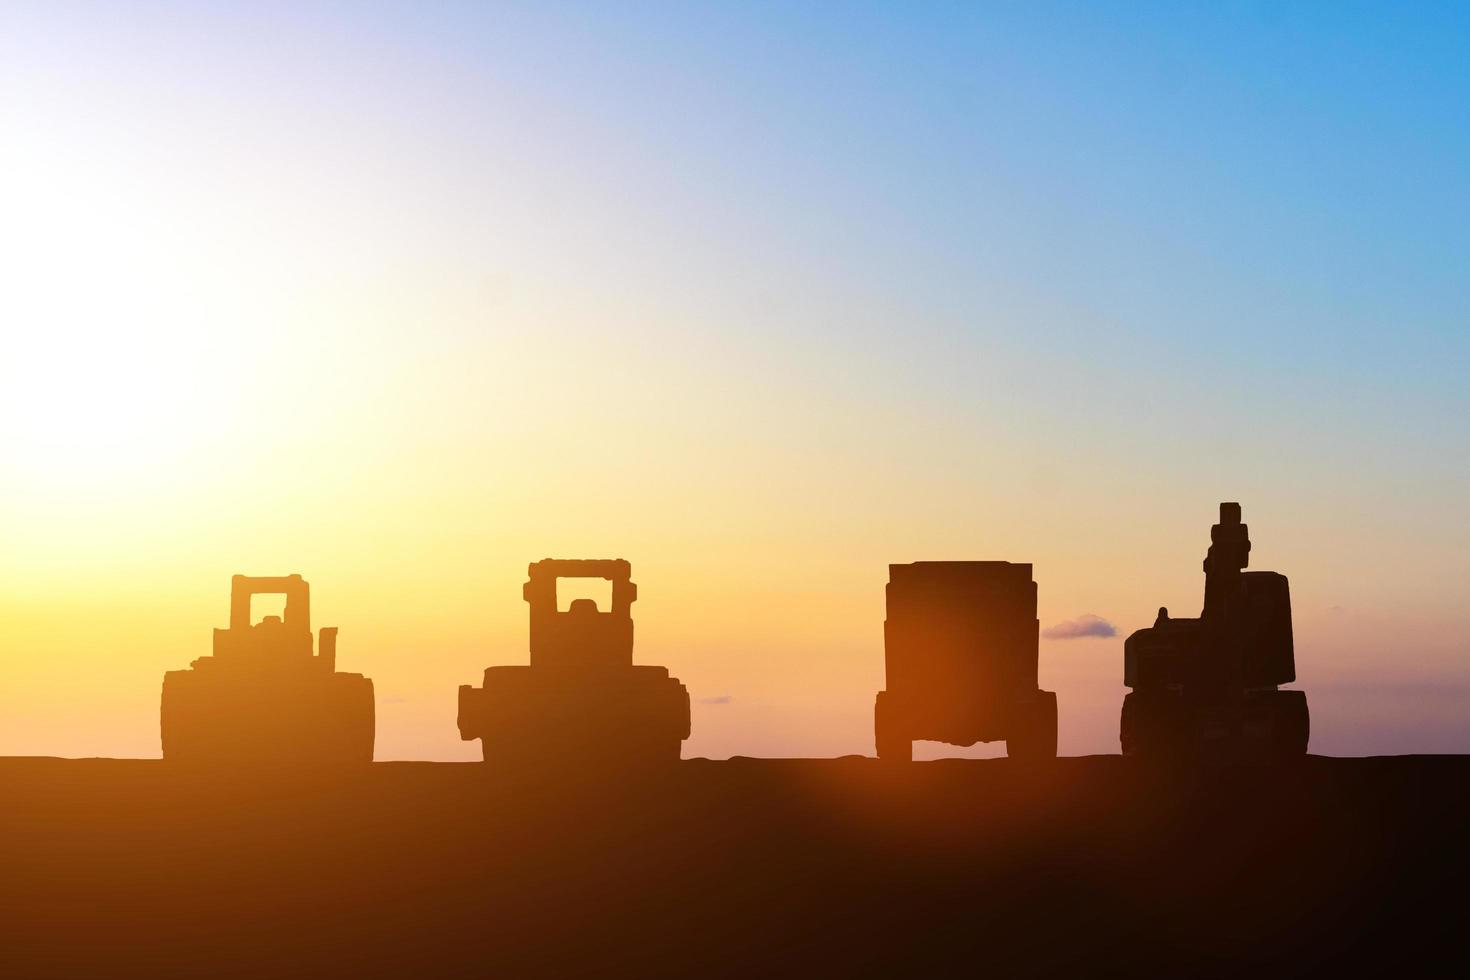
1033, 734
893, 743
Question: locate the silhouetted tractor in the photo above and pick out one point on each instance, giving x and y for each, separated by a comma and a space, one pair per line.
960, 647
581, 701
264, 696
1209, 686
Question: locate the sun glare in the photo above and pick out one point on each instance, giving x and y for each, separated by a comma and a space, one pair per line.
98, 398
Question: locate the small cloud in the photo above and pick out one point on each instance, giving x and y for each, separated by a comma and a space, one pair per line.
718, 699
1085, 625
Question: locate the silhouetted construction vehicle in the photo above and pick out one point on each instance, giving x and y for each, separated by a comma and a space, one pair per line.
960, 647
1210, 685
264, 695
582, 700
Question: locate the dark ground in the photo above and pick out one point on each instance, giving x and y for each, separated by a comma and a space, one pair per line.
1087, 866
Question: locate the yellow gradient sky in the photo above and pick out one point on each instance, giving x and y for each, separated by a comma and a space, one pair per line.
403, 302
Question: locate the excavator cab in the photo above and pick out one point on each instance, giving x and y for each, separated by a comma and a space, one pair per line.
1211, 686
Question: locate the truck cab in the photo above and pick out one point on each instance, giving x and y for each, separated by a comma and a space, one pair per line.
960, 655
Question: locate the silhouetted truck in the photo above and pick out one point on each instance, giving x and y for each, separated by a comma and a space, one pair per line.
960, 646
1211, 685
581, 701
264, 695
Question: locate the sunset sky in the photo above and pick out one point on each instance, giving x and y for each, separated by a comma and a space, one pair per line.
759, 297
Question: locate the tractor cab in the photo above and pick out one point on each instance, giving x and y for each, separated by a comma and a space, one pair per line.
582, 635
268, 693
581, 702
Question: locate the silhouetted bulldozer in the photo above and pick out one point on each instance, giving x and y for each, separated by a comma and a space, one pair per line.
960, 647
264, 696
581, 701
1210, 685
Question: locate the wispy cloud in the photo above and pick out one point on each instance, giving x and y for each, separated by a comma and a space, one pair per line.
717, 699
1075, 629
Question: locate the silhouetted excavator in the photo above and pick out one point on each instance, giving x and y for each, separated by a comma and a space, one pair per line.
264, 696
960, 647
581, 701
1210, 685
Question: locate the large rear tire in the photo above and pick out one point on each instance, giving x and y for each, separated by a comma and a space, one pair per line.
352, 732
180, 711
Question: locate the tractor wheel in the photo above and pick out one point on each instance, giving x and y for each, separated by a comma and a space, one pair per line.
183, 718
893, 743
1033, 734
350, 725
